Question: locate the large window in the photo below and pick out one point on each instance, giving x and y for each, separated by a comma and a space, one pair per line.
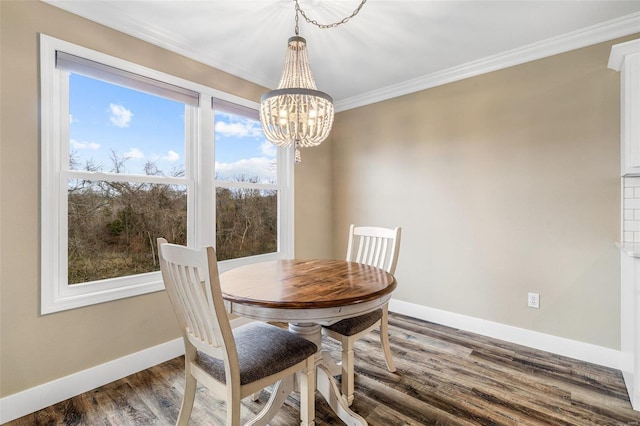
246, 184
135, 143
129, 155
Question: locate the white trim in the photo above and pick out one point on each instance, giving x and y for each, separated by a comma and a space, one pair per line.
143, 30
205, 234
533, 339
286, 204
625, 57
609, 30
42, 396
620, 51
598, 33
56, 294
39, 397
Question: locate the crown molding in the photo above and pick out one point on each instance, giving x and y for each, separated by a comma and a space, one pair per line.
111, 17
620, 27
630, 24
620, 51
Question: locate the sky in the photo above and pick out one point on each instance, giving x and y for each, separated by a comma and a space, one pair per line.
140, 128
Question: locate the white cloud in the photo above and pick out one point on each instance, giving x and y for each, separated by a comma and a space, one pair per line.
120, 116
84, 145
239, 129
261, 168
73, 120
268, 149
171, 156
134, 153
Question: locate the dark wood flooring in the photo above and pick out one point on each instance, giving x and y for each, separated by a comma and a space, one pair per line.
445, 377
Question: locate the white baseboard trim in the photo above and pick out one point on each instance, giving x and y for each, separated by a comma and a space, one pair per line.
36, 398
558, 345
39, 397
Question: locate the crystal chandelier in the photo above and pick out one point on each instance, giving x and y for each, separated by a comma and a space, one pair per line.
297, 113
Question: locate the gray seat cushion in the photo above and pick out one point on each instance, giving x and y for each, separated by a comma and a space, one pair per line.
263, 350
351, 326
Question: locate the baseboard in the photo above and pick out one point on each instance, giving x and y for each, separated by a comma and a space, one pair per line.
558, 345
39, 397
42, 396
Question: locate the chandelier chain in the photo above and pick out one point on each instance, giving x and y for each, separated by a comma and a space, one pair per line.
296, 113
325, 26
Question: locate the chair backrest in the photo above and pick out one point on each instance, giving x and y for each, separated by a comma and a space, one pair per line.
193, 285
374, 246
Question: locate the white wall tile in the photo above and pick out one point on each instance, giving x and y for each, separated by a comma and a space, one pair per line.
632, 225
631, 181
631, 212
632, 203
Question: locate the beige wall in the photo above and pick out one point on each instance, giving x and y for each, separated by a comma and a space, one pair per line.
314, 203
504, 184
35, 349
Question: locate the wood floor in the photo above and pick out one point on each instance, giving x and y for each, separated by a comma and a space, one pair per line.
444, 377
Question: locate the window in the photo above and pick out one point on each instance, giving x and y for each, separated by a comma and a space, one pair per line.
246, 184
130, 154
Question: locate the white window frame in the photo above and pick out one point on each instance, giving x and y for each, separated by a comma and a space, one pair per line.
56, 294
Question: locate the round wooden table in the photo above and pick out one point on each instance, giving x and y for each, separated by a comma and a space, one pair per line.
307, 294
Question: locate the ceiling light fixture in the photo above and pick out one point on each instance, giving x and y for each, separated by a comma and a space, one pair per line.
297, 113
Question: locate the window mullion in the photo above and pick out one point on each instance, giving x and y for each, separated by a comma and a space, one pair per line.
121, 177
286, 202
203, 162
247, 185
63, 165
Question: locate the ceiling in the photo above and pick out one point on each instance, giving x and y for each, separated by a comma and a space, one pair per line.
392, 47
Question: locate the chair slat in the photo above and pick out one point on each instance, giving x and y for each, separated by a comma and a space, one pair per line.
200, 310
385, 248
376, 247
183, 297
205, 313
378, 258
195, 303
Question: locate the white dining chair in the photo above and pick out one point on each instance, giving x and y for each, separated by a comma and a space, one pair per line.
234, 363
378, 247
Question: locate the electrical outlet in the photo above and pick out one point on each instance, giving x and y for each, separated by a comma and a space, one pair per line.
533, 300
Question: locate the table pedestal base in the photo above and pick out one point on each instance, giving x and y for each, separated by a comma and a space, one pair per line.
326, 369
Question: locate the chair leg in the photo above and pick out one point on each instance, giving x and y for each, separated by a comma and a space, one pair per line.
279, 394
233, 409
384, 340
347, 371
307, 387
187, 401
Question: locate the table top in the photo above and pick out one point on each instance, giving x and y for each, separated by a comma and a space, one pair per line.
305, 284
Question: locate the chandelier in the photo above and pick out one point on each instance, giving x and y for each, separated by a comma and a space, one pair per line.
297, 113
